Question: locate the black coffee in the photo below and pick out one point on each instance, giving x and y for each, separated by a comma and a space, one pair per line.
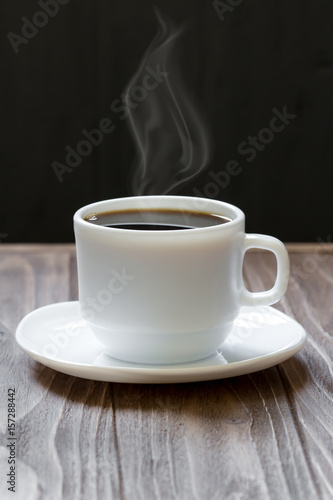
155, 220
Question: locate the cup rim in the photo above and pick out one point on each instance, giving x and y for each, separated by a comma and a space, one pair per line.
158, 202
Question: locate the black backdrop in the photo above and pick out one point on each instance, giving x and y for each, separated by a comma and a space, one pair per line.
241, 59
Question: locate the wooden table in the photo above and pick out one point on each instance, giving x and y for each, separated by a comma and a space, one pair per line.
268, 435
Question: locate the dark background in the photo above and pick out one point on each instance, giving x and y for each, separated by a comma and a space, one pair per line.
262, 55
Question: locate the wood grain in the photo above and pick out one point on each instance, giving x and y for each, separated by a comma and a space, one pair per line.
268, 435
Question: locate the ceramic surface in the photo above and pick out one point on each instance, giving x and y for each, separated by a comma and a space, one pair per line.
58, 337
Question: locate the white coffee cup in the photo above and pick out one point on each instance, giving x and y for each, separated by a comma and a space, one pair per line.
167, 296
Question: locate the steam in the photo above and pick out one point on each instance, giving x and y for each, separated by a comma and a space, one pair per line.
172, 140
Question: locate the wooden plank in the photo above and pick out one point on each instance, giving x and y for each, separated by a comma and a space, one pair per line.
265, 435
306, 248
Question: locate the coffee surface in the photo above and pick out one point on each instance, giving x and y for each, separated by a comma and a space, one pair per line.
155, 220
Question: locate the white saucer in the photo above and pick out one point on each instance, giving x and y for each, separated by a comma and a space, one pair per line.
58, 337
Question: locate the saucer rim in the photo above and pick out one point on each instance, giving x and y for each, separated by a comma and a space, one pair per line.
168, 372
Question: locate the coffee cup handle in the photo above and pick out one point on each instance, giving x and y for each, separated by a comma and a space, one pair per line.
274, 294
